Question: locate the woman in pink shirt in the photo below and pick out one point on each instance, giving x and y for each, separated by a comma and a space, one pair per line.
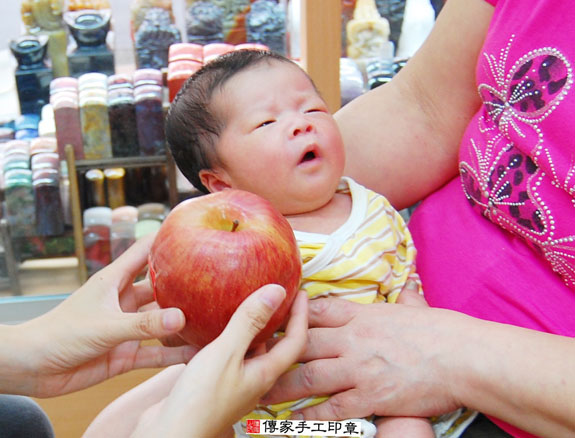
481, 125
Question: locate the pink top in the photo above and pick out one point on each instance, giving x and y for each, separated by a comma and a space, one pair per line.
498, 243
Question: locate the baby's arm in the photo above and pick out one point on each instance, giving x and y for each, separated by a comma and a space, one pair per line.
412, 427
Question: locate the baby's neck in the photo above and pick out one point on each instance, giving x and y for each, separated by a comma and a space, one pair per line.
326, 219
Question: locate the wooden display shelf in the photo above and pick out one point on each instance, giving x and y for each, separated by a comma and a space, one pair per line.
75, 166
131, 163
126, 162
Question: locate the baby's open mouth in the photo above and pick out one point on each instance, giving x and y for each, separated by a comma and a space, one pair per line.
308, 156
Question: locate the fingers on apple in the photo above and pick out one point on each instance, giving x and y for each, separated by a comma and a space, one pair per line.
253, 314
172, 341
151, 324
296, 322
137, 297
130, 263
154, 356
291, 346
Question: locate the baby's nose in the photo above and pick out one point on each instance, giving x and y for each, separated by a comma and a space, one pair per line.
302, 128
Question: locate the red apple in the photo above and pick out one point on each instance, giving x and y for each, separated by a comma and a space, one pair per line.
213, 251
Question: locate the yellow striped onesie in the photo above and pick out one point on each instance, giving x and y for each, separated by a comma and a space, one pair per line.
368, 259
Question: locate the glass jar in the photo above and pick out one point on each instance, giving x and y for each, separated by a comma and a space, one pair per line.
145, 227
123, 233
97, 224
152, 210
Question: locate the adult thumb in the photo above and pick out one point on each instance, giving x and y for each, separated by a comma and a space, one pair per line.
150, 324
253, 314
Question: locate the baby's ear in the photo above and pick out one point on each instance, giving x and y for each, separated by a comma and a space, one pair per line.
215, 180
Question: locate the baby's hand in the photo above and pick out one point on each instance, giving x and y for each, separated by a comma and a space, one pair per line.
410, 295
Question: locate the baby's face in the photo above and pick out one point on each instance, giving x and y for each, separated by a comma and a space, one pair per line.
279, 140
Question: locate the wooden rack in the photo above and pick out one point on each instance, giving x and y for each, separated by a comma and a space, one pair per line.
75, 166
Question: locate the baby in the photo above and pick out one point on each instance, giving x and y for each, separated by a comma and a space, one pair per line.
253, 120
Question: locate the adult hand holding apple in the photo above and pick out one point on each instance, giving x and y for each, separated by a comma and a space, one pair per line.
216, 388
213, 251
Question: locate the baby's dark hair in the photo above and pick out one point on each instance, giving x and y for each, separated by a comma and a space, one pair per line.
192, 127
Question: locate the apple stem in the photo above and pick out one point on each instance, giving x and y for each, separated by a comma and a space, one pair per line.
236, 224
